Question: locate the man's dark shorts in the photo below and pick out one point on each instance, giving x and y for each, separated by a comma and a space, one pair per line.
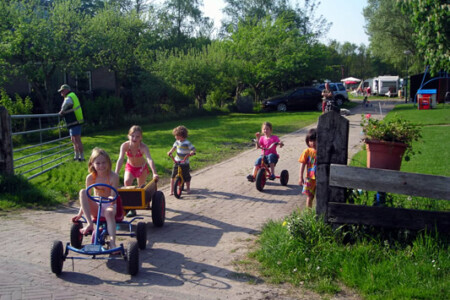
75, 130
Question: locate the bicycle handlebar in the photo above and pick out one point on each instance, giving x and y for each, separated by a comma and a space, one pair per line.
181, 161
268, 148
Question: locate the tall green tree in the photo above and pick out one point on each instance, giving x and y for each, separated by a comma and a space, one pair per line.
112, 39
192, 73
430, 20
391, 33
250, 12
38, 38
182, 20
270, 53
354, 60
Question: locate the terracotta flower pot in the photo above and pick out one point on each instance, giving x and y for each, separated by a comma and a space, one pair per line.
384, 155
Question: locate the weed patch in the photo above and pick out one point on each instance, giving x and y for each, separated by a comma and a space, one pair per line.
387, 264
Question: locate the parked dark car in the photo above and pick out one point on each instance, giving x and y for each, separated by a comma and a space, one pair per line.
302, 98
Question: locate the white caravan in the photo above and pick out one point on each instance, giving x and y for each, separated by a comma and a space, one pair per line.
386, 85
371, 82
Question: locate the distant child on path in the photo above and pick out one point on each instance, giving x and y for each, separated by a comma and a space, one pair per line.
183, 147
308, 161
99, 172
270, 156
138, 160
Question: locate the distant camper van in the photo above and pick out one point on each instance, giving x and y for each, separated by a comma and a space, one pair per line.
387, 85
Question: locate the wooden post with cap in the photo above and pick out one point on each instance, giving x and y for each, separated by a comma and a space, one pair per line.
6, 151
332, 145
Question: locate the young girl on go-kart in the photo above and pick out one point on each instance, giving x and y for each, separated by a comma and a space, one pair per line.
271, 155
99, 172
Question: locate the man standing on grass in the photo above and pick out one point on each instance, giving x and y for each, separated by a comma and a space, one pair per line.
73, 115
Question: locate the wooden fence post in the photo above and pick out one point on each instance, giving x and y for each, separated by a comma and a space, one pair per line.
6, 154
332, 145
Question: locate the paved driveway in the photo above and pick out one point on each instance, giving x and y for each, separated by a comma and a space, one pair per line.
190, 257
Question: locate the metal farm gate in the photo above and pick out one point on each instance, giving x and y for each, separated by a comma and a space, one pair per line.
32, 144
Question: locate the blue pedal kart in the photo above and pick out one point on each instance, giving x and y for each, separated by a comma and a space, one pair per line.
98, 249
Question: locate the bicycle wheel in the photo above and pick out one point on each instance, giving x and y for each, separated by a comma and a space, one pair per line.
260, 179
284, 177
178, 187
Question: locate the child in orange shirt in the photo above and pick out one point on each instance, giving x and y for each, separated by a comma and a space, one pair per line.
99, 172
308, 161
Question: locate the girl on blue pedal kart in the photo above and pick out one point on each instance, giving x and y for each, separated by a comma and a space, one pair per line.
99, 172
270, 155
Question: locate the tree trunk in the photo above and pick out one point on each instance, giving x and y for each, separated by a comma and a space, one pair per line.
41, 97
239, 89
117, 84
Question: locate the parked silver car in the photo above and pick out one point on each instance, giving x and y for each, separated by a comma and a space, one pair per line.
339, 92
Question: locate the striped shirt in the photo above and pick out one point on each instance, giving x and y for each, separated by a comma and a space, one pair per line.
183, 148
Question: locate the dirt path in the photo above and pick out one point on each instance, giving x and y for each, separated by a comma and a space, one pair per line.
190, 257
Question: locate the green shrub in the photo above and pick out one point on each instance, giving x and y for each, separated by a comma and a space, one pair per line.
218, 99
377, 263
393, 130
103, 111
18, 106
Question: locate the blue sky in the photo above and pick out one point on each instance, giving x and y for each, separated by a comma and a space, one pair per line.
346, 16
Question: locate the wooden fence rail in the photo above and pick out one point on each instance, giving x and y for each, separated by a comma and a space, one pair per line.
334, 177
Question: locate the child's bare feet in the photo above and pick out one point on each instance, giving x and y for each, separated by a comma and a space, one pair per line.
87, 230
188, 191
112, 244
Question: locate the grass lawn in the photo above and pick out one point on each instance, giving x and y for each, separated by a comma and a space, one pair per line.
300, 250
216, 138
377, 264
432, 150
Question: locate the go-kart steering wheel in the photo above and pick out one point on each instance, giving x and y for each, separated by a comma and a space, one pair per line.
98, 198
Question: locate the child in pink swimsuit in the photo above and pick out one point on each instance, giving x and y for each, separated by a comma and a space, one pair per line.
138, 160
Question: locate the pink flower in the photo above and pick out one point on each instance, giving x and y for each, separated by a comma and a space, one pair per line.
368, 116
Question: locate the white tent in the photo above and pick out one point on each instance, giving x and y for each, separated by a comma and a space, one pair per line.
350, 80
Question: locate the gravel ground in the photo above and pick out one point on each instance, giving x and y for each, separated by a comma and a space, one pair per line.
190, 257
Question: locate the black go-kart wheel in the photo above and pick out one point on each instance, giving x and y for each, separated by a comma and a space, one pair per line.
158, 209
57, 257
132, 256
76, 238
141, 235
260, 179
284, 177
178, 188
